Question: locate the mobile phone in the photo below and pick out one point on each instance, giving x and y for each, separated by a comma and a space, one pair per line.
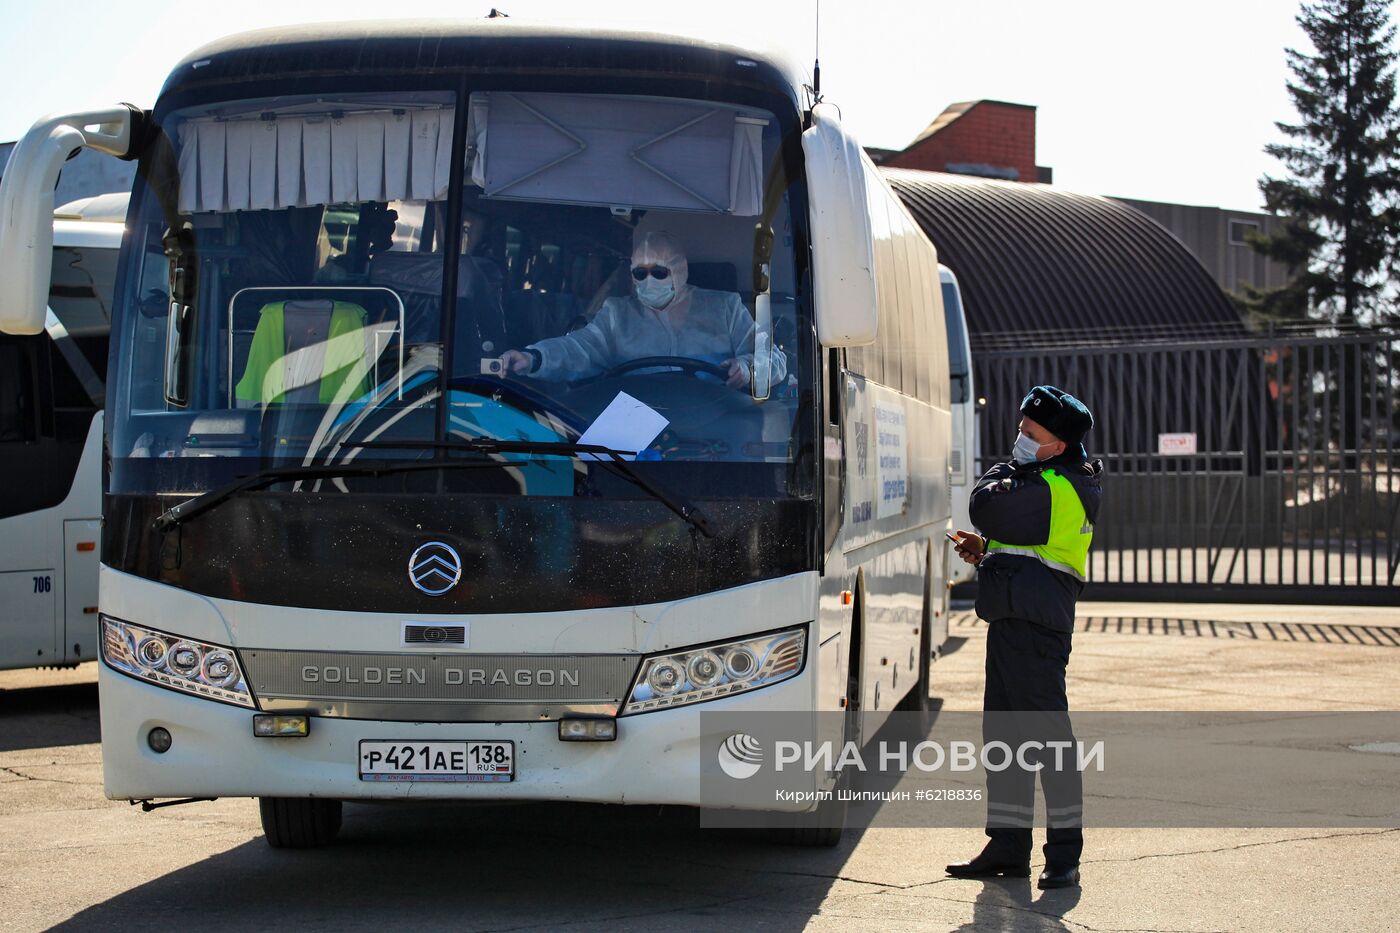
952, 537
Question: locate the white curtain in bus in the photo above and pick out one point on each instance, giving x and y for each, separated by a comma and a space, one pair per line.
307, 160
617, 151
238, 156
262, 173
746, 167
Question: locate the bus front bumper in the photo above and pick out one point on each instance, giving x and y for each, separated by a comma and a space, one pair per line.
657, 757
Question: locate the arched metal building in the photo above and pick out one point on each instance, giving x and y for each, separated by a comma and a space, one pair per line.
1038, 265
1091, 295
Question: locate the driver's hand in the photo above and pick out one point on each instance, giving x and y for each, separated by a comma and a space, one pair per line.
516, 361
738, 374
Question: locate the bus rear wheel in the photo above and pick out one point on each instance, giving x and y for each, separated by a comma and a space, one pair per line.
299, 823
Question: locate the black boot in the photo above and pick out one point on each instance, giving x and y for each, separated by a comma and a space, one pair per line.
1058, 876
992, 861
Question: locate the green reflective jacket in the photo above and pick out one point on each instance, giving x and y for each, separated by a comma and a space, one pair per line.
1038, 520
1066, 548
344, 369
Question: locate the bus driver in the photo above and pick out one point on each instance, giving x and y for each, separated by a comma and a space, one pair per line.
664, 316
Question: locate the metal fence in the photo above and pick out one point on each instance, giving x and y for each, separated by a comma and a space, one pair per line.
1237, 468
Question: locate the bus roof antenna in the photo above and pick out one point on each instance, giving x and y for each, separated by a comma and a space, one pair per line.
817, 57
497, 14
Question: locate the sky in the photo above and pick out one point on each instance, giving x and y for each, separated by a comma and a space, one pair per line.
1157, 101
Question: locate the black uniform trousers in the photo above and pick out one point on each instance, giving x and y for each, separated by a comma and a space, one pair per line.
1024, 702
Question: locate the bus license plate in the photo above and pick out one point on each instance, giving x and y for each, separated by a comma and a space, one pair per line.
472, 761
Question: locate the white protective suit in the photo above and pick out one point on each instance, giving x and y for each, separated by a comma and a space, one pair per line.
697, 323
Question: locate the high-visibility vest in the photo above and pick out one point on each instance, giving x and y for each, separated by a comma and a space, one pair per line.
1071, 533
344, 368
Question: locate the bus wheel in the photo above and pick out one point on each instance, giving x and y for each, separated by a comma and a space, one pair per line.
299, 823
822, 828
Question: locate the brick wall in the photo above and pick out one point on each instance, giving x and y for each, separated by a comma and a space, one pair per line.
988, 134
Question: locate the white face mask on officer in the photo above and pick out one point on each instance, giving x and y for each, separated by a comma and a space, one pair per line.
1025, 450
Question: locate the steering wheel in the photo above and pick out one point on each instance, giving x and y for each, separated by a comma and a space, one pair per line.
683, 363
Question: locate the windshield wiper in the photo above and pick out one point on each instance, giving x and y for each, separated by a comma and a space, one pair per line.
604, 456
200, 504
263, 478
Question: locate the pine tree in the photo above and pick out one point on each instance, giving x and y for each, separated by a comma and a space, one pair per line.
1338, 202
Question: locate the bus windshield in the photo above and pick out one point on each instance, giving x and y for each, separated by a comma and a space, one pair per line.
349, 278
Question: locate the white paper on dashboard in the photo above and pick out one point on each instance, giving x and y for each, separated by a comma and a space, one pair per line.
626, 424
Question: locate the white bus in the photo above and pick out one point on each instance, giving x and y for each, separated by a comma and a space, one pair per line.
51, 396
346, 557
963, 460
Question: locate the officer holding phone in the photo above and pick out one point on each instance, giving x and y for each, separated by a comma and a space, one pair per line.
1036, 516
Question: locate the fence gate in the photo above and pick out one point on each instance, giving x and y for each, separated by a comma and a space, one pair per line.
1259, 468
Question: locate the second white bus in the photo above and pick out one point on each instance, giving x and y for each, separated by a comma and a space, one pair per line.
52, 389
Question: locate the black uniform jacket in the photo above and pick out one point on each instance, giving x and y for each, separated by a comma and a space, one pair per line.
1011, 504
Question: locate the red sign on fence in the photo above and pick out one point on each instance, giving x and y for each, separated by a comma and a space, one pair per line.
1176, 444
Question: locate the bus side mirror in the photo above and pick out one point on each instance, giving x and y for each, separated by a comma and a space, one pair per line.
761, 379
27, 203
843, 260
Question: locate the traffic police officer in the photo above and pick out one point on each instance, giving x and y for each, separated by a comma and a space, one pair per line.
1036, 516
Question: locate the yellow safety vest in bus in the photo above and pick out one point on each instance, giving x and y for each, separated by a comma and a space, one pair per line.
1067, 549
343, 374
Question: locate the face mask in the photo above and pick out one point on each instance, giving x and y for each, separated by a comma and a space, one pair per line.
1025, 450
656, 293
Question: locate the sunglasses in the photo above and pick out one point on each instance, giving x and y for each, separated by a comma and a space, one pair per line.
657, 272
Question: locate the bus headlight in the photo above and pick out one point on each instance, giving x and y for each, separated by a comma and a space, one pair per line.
174, 662
714, 671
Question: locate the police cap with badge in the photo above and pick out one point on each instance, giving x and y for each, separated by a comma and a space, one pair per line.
1058, 412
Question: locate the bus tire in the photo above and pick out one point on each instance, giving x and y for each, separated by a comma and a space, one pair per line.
822, 828
299, 822
819, 828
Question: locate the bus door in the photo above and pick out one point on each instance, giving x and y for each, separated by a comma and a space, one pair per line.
80, 553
